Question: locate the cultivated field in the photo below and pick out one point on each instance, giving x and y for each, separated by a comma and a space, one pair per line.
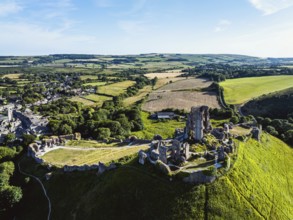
115, 89
84, 77
158, 101
187, 84
164, 81
238, 91
181, 95
12, 76
95, 84
163, 75
63, 157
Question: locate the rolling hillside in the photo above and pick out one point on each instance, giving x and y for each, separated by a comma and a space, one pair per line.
239, 91
259, 186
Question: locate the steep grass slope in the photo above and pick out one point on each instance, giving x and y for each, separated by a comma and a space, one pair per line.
259, 186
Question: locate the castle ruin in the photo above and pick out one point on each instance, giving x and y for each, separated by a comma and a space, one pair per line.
198, 122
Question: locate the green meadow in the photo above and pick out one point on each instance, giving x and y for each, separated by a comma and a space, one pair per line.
239, 91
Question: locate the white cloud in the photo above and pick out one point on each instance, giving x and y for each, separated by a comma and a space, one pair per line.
7, 8
271, 6
222, 25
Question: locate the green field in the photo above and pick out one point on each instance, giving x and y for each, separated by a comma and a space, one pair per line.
63, 157
115, 89
239, 91
84, 77
152, 127
82, 100
94, 84
98, 99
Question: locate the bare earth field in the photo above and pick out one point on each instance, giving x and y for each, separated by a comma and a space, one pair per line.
158, 101
163, 75
187, 84
181, 95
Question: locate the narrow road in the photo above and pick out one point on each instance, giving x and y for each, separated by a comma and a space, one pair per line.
43, 188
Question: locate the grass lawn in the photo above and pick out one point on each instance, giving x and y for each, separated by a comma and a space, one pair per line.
88, 144
153, 127
62, 157
240, 130
115, 89
238, 91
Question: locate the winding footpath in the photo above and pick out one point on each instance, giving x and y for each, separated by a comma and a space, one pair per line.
44, 190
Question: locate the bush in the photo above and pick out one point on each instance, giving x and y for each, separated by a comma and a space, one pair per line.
7, 168
6, 153
9, 195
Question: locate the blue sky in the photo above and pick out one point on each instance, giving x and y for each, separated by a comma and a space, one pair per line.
252, 27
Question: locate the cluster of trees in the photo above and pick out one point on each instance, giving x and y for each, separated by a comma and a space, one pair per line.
280, 128
4, 81
275, 112
111, 120
220, 72
9, 194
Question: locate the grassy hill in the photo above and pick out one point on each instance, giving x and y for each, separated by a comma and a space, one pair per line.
238, 91
259, 186
274, 105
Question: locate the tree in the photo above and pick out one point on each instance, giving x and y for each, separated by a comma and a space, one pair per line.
65, 129
28, 139
9, 138
234, 120
271, 130
7, 168
6, 153
289, 137
103, 133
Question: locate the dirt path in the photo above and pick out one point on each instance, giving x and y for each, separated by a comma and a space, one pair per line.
43, 188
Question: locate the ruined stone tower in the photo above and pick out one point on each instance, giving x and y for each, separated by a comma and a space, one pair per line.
198, 121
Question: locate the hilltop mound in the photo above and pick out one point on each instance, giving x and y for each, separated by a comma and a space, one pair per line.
259, 186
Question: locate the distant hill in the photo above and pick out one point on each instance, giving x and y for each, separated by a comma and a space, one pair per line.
274, 105
259, 186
